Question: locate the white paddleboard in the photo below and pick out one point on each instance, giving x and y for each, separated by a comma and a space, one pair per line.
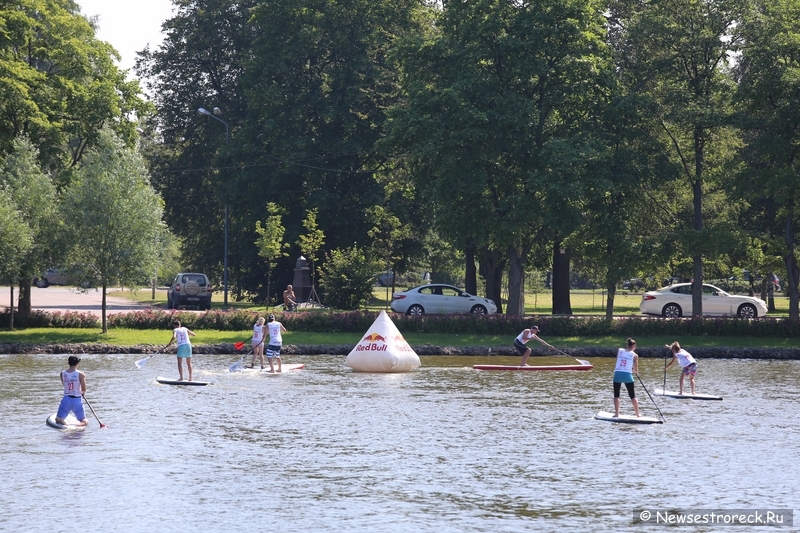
284, 369
168, 381
72, 423
627, 419
265, 370
685, 395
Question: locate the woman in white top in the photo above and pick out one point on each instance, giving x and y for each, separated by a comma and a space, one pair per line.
627, 365
258, 342
181, 335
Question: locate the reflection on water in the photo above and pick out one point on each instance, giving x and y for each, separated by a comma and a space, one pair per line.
445, 448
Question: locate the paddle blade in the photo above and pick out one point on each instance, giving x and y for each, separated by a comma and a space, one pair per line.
140, 363
235, 367
238, 345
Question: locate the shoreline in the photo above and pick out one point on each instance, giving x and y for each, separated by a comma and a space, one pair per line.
423, 349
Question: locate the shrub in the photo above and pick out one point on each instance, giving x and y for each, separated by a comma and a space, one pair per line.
347, 278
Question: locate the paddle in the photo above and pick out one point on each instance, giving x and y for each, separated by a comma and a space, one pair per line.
235, 367
651, 398
95, 414
581, 361
664, 389
140, 363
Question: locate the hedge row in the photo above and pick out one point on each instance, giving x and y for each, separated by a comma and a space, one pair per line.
360, 321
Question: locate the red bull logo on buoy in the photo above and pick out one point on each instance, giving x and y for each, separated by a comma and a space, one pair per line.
372, 342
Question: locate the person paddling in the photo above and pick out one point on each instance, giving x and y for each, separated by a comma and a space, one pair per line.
74, 382
274, 329
627, 365
181, 335
523, 338
258, 342
687, 362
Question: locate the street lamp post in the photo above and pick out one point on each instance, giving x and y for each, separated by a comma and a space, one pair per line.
213, 115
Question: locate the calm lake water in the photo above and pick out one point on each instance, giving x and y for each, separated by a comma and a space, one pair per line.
442, 449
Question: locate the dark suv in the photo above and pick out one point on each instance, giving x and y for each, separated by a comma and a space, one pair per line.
189, 289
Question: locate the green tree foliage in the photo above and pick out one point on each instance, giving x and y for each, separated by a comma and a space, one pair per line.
491, 122
270, 240
304, 86
676, 52
769, 73
34, 195
15, 238
312, 240
114, 218
347, 278
58, 83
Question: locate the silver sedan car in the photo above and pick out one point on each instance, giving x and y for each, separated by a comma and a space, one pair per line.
676, 301
438, 298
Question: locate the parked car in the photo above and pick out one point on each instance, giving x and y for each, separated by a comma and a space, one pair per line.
440, 298
51, 277
633, 284
676, 301
189, 289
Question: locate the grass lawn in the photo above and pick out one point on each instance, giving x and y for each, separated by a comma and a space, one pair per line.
584, 302
130, 337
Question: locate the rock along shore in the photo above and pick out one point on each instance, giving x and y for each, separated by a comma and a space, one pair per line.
421, 349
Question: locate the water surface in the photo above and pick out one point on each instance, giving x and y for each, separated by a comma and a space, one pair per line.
445, 448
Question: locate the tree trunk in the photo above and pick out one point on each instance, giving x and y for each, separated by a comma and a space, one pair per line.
612, 292
103, 310
516, 268
792, 269
11, 309
269, 281
491, 267
561, 301
697, 201
24, 305
471, 274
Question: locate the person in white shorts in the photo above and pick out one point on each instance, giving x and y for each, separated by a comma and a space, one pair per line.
275, 342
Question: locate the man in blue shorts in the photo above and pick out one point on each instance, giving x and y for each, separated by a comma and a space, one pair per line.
275, 342
74, 382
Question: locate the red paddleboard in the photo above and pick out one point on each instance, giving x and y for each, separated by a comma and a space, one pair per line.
585, 365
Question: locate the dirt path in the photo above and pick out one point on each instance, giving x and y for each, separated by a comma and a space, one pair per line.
65, 299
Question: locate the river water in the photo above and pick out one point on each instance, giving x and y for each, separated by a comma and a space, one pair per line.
442, 449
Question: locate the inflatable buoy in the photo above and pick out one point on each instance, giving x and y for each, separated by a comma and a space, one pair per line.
383, 349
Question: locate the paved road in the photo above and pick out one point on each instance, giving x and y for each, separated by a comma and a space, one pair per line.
64, 299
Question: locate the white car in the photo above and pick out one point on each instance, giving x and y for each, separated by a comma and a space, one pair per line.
438, 298
676, 301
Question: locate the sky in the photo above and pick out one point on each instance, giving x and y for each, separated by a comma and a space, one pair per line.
129, 26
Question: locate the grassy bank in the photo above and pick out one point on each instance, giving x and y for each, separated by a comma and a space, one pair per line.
130, 337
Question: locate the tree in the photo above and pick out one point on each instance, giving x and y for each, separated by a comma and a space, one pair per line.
347, 278
386, 235
113, 215
34, 195
311, 242
676, 52
495, 99
769, 84
15, 241
59, 84
270, 240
